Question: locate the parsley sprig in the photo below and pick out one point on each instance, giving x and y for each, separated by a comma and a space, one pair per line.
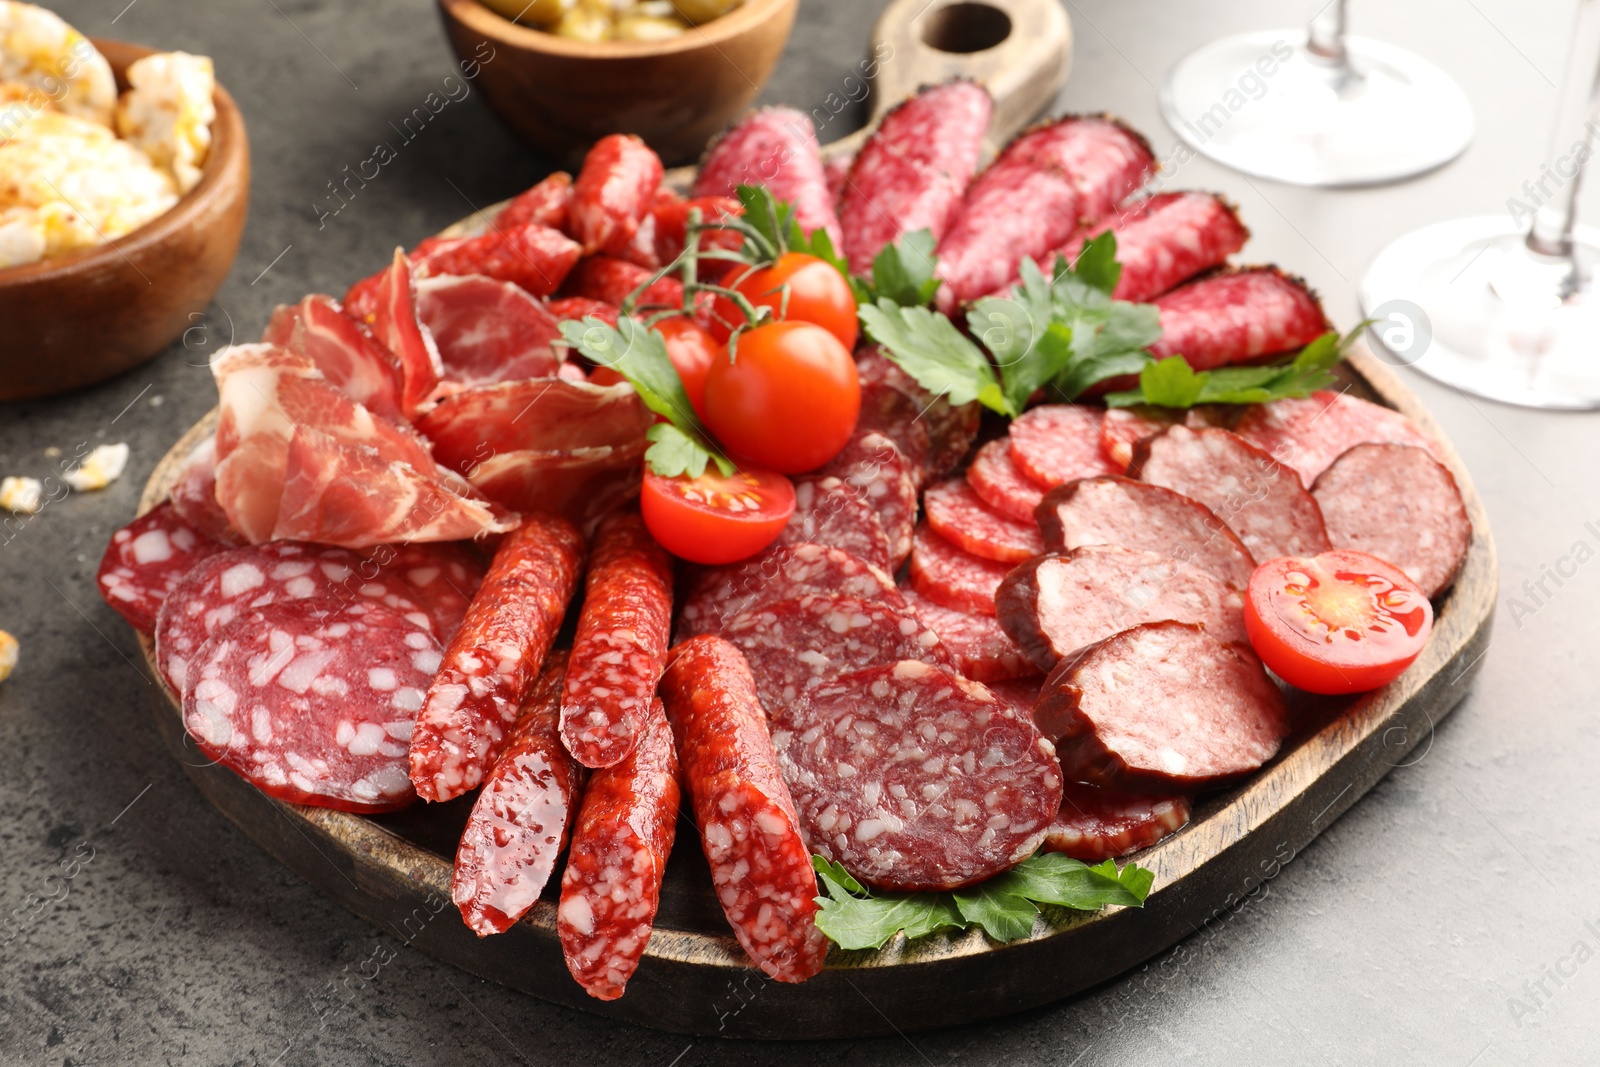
1005, 906
1172, 383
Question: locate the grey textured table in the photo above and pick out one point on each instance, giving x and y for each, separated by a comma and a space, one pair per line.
1449, 918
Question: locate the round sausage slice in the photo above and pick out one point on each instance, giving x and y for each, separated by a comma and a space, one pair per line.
1162, 708
1101, 824
782, 572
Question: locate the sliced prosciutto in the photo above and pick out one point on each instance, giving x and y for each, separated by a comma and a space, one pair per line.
487, 330
298, 459
343, 350
396, 326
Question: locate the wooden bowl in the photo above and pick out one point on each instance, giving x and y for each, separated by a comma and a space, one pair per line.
562, 95
86, 316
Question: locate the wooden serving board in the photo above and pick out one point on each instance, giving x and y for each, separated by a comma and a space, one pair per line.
394, 870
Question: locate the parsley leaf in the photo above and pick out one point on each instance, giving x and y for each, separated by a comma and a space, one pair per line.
639, 354
928, 347
1172, 383
1005, 906
901, 272
774, 221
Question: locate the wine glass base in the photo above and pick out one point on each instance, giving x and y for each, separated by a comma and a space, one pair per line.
1262, 104
1465, 302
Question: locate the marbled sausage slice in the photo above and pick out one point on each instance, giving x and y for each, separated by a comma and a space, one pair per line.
1101, 824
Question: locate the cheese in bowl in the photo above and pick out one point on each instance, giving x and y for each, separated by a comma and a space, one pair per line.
78, 165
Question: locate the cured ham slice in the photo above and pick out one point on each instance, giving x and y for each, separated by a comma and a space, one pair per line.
396, 326
343, 351
487, 330
298, 459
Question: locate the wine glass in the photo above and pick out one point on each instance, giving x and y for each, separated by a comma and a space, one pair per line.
1316, 107
1493, 308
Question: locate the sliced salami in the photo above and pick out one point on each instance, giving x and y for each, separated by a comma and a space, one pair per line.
776, 147
952, 576
829, 511
978, 647
1101, 824
951, 429
581, 307
610, 280
1034, 196
1260, 500
759, 861
793, 646
835, 170
1163, 708
873, 464
914, 778
960, 516
1239, 315
491, 664
997, 479
1122, 428
620, 844
782, 572
1400, 504
520, 820
1146, 518
312, 701
1167, 239
621, 646
146, 560
194, 495
1309, 434
911, 172
1020, 693
614, 191
545, 203
1055, 443
442, 577
892, 413
221, 587
1056, 606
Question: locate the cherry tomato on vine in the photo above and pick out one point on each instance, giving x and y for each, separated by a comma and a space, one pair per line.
817, 293
787, 398
716, 519
1339, 622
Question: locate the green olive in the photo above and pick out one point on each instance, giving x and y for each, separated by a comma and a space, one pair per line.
647, 28
584, 23
530, 12
698, 11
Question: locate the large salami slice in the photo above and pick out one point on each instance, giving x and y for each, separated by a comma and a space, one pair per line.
873, 465
312, 701
1102, 824
914, 778
1309, 434
1146, 518
614, 192
1033, 198
442, 577
1162, 708
1400, 504
760, 864
960, 516
891, 412
1055, 443
997, 479
913, 169
775, 147
146, 560
1239, 315
1260, 500
952, 576
621, 646
491, 664
1167, 239
950, 429
793, 646
228, 584
620, 844
830, 511
782, 572
519, 822
978, 647
1055, 606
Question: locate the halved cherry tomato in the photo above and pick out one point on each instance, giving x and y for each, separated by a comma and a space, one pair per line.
713, 519
691, 349
787, 398
1339, 622
816, 293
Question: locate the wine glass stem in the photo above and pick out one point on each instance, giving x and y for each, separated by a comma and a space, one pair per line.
1325, 37
1572, 141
